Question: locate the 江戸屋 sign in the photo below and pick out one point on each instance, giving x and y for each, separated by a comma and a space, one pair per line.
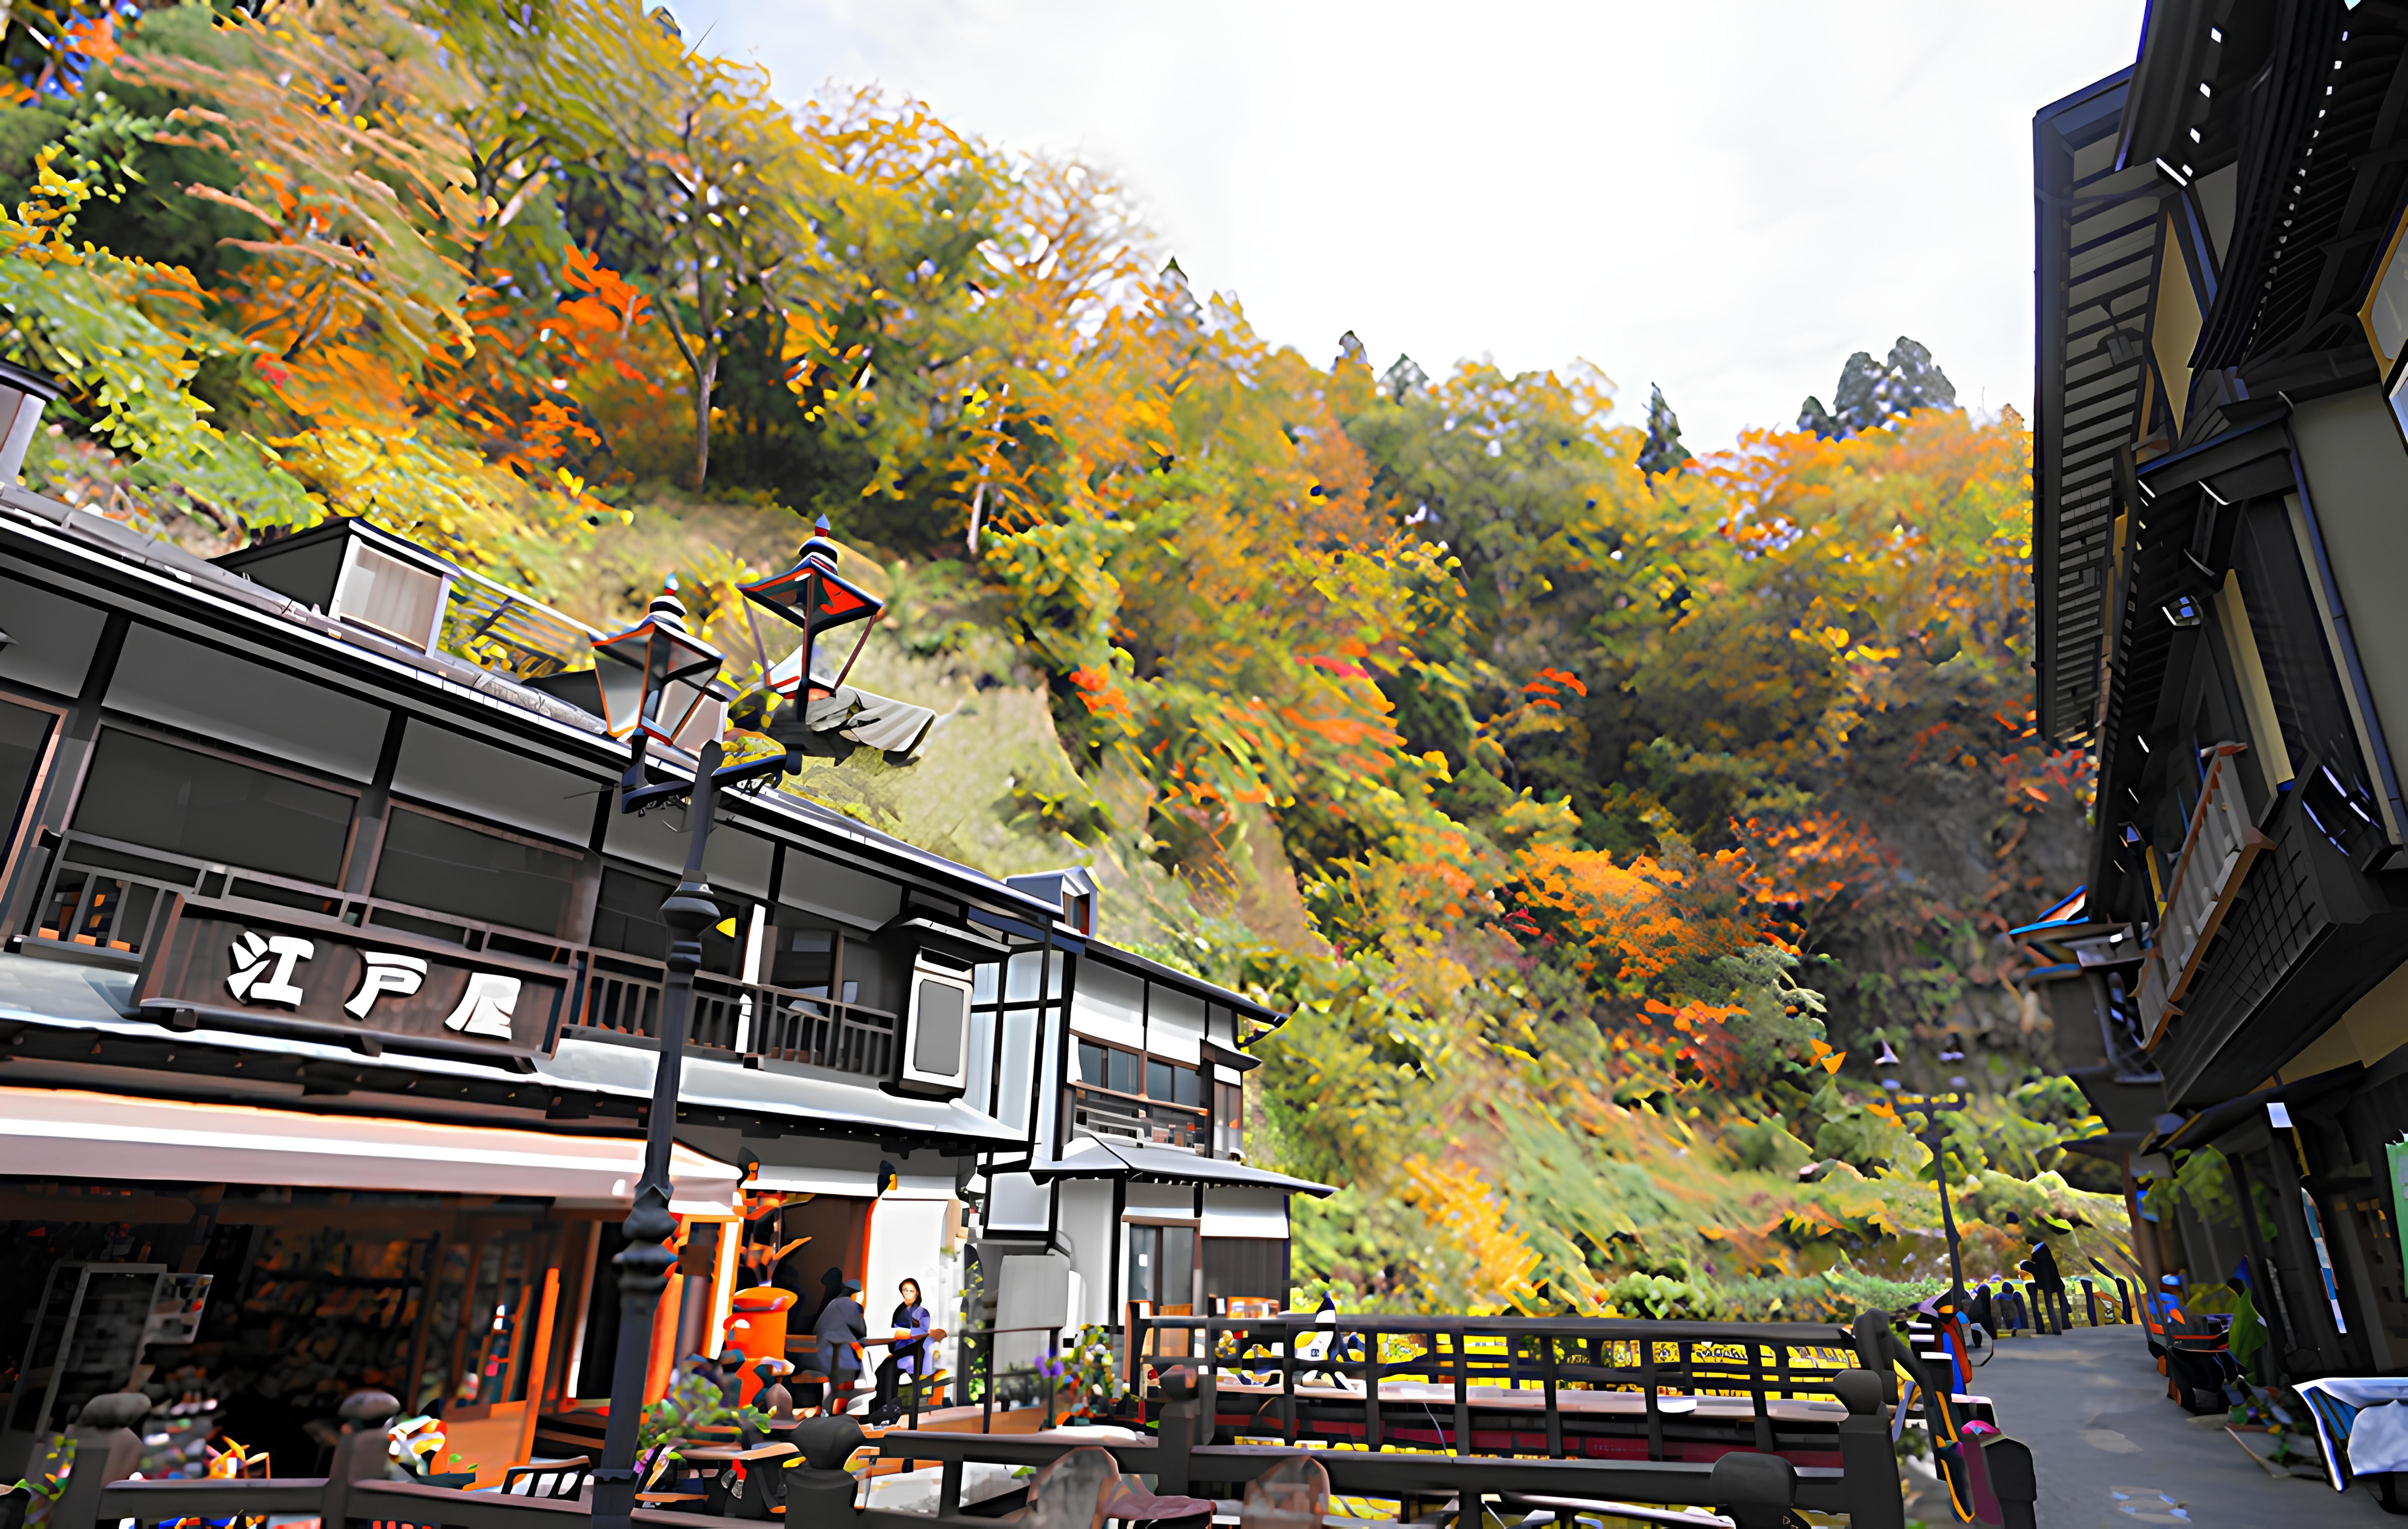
227, 966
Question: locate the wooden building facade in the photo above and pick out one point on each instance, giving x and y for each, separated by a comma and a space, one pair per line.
2221, 477
330, 979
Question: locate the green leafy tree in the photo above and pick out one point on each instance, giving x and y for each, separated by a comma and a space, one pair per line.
688, 175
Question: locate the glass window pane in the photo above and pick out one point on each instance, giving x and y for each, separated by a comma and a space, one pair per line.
982, 979
1145, 1248
390, 596
872, 978
24, 734
1158, 1078
627, 917
1124, 1072
1184, 1081
148, 792
628, 914
452, 868
805, 954
1090, 1065
1177, 1276
1020, 982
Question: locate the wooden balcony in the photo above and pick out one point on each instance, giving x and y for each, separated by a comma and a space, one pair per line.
622, 996
107, 902
1101, 1112
2216, 855
110, 900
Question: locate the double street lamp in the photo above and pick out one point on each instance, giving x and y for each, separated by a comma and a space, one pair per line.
1934, 1135
655, 677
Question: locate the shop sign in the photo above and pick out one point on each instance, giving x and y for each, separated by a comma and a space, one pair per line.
225, 962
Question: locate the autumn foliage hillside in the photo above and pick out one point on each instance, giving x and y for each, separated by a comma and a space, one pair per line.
1597, 826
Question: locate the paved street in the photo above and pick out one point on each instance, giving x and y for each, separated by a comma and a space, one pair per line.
2093, 1407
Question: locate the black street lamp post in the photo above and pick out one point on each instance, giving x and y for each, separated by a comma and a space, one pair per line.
644, 1264
1934, 1135
654, 679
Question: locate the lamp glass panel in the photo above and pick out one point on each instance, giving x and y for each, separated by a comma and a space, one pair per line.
622, 693
679, 702
641, 667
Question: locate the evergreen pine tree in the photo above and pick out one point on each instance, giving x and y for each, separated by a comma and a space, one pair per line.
1912, 382
1663, 451
1403, 377
1870, 393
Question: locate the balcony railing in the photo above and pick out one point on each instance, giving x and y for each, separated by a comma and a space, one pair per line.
111, 899
623, 995
2215, 858
1101, 1112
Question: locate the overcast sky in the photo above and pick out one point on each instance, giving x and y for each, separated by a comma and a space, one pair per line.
1725, 200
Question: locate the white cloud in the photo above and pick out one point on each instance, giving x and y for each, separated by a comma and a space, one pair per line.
1724, 200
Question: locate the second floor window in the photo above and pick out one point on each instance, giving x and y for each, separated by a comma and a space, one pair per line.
24, 732
822, 961
1147, 1077
1229, 1119
1109, 1068
145, 792
627, 919
448, 867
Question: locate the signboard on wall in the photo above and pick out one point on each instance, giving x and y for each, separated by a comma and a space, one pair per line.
228, 964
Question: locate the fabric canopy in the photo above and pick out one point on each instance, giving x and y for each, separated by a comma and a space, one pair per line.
70, 1134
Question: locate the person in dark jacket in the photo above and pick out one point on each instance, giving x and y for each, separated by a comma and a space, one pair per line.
910, 1360
839, 1334
2044, 1274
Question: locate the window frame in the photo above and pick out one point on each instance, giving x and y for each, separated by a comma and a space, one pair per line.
569, 908
15, 838
744, 901
1146, 1061
235, 754
1158, 1223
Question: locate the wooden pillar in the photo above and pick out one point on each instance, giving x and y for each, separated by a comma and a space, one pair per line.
665, 1335
539, 1363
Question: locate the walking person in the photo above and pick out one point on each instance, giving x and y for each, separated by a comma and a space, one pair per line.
2057, 1313
910, 1360
838, 1336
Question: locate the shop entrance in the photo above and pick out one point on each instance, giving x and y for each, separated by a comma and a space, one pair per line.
837, 1226
310, 1296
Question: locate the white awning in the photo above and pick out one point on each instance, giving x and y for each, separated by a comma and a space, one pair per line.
71, 1134
1094, 1157
1233, 1210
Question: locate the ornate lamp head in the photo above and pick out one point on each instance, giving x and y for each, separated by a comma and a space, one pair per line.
813, 596
655, 675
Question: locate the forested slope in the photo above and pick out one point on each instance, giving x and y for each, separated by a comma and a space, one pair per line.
1600, 811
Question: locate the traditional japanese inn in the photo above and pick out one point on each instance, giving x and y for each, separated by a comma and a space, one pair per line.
334, 980
2221, 471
